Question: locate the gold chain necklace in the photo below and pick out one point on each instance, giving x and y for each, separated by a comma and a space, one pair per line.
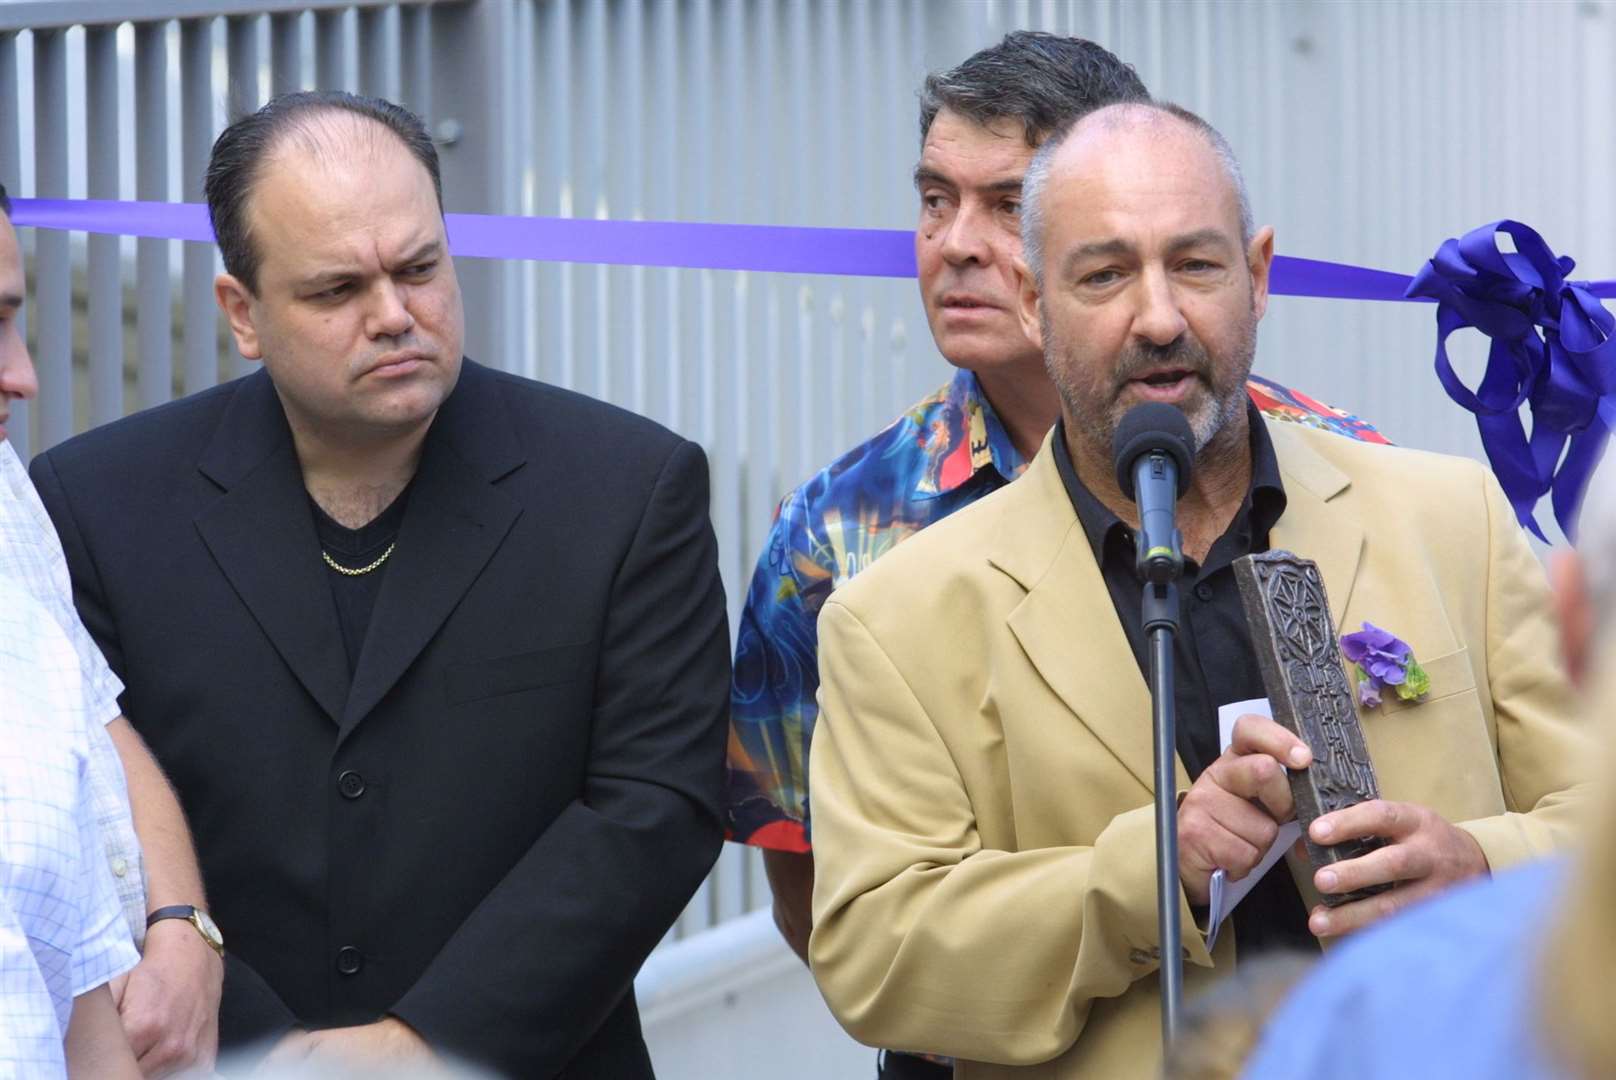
333, 564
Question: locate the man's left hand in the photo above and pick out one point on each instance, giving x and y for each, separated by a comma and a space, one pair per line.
388, 1041
1423, 854
169, 1003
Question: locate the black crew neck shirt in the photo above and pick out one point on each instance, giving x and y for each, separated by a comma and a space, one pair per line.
353, 549
1213, 658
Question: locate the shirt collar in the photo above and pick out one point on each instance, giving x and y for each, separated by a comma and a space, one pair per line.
1265, 498
965, 439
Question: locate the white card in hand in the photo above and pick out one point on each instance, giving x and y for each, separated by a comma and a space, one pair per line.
1227, 894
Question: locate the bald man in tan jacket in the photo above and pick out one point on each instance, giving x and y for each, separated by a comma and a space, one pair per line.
981, 775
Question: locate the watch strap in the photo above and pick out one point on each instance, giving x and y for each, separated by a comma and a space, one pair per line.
172, 911
199, 920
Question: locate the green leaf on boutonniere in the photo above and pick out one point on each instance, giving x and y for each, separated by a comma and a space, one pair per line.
1416, 683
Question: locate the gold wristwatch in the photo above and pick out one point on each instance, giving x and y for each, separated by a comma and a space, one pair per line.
196, 917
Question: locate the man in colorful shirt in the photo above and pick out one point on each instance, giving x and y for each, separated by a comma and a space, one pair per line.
980, 124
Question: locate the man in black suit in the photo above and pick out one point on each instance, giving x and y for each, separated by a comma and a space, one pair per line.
435, 656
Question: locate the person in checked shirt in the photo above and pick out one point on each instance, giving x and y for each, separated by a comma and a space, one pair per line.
64, 935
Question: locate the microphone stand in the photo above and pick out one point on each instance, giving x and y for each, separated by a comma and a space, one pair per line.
1159, 613
1154, 452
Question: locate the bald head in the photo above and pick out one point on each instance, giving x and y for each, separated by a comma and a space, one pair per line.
328, 129
1133, 143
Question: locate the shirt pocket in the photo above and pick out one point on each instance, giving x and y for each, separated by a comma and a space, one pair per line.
1450, 674
478, 680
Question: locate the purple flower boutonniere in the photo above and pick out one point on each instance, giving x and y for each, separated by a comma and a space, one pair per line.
1383, 659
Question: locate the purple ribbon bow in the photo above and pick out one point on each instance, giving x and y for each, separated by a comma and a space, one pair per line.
1552, 348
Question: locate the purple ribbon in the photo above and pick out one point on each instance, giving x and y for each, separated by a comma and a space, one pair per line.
1551, 350
781, 249
859, 252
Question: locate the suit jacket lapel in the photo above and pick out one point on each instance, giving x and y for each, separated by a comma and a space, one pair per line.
1311, 526
1067, 624
261, 533
454, 522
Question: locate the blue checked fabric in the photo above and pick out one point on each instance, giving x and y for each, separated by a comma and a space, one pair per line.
62, 930
31, 558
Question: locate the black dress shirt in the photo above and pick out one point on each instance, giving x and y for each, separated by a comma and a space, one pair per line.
1213, 659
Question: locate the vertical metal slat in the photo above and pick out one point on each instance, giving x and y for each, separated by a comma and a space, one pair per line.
241, 82
53, 280
105, 252
241, 96
415, 60
154, 314
597, 174
373, 80
285, 53
200, 343
330, 50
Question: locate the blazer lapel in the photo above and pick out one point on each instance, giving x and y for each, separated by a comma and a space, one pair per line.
1067, 624
454, 522
261, 533
1311, 526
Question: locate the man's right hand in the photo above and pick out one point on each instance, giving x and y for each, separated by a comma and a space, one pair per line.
1232, 813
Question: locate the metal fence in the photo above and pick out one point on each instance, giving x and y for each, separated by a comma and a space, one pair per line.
1370, 131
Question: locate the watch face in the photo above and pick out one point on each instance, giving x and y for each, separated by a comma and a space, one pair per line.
209, 928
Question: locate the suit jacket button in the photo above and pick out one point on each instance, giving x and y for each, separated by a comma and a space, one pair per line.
349, 960
351, 784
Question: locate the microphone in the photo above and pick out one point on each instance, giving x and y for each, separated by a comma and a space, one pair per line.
1154, 451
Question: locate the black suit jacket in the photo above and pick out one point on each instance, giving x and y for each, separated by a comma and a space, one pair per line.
484, 833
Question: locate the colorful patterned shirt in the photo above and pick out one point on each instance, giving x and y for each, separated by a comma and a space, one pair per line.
944, 453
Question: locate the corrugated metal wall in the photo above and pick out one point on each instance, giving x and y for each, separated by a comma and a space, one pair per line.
1370, 130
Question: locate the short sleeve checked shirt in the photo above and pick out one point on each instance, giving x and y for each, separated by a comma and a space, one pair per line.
62, 931
31, 559
944, 453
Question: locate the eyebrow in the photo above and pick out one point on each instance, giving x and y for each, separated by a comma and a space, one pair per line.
1198, 238
11, 300
924, 176
421, 251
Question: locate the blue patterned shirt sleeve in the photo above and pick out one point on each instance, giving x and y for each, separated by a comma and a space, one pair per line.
773, 704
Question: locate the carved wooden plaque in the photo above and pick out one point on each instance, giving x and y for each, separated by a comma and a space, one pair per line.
1294, 638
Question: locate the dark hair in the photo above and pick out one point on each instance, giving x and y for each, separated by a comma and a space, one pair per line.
1045, 81
5, 202
241, 148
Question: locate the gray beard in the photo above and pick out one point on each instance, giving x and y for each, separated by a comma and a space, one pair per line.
1207, 419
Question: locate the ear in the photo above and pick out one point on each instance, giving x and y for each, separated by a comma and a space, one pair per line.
236, 302
1573, 612
1027, 310
1259, 261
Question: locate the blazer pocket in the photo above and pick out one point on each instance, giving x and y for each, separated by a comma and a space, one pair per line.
475, 680
1450, 674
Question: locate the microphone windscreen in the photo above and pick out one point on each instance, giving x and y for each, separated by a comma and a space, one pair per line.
1153, 426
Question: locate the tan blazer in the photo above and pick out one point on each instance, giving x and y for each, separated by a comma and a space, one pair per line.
981, 772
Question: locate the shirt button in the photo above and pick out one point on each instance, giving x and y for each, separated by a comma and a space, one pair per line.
351, 784
349, 960
120, 867
1203, 591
